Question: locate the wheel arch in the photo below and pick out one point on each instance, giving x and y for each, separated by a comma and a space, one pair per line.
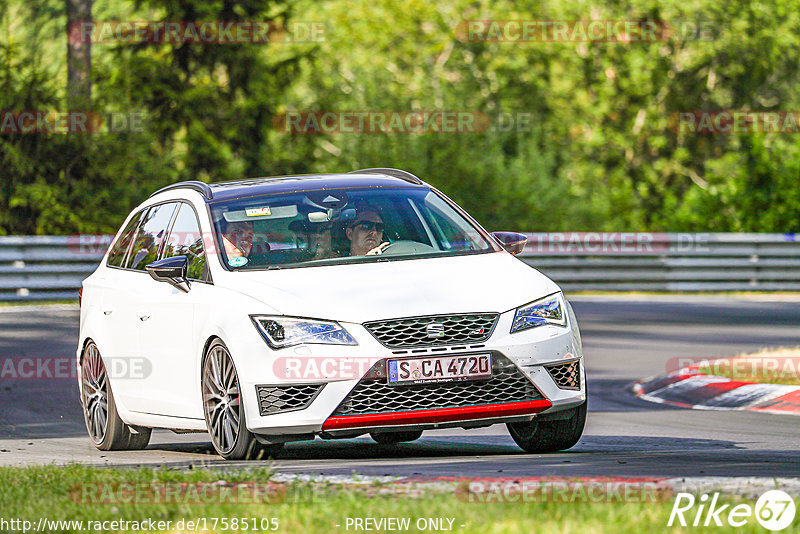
203, 355
206, 346
83, 345
79, 362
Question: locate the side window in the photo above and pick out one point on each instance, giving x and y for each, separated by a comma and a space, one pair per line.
117, 254
152, 231
185, 239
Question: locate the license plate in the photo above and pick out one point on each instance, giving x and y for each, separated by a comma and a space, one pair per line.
439, 369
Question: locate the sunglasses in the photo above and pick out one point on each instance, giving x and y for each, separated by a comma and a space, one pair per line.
369, 225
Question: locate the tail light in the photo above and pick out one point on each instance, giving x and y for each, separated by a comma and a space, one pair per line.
80, 296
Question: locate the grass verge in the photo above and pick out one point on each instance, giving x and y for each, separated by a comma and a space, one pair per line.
22, 303
86, 494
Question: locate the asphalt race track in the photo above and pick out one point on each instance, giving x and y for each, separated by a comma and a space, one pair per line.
625, 339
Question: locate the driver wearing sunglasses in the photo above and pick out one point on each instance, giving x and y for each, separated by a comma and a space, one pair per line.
366, 233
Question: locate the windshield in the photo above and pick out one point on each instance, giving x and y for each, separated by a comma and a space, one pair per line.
341, 226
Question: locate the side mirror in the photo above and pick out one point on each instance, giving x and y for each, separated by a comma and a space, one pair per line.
511, 241
172, 271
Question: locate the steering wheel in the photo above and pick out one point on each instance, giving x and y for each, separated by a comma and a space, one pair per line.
406, 246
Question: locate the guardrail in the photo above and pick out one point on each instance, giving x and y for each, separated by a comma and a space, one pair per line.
47, 267
667, 262
52, 267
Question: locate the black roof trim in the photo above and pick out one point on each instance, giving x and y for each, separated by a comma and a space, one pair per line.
201, 187
396, 173
207, 190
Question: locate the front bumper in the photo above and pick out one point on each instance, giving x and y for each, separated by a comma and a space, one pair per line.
339, 370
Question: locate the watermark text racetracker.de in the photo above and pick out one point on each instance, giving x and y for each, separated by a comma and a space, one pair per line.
721, 122
96, 245
431, 121
564, 490
611, 243
211, 32
44, 122
599, 243
321, 368
183, 493
581, 31
771, 367
65, 368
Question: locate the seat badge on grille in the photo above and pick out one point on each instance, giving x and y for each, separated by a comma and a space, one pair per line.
435, 330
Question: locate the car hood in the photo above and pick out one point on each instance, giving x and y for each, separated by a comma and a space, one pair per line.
493, 282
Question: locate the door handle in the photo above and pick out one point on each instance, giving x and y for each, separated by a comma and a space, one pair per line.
108, 311
144, 317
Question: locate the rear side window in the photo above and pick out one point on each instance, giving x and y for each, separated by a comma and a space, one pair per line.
117, 254
185, 239
151, 233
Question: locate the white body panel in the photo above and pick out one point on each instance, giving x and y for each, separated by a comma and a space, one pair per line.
170, 329
358, 293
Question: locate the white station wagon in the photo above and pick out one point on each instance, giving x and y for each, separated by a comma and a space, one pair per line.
283, 309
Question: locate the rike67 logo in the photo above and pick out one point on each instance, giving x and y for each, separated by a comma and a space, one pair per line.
774, 510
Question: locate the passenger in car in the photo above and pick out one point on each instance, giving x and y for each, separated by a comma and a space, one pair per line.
321, 241
237, 237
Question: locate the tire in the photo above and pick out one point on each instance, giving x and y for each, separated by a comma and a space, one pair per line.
224, 409
550, 436
391, 438
107, 431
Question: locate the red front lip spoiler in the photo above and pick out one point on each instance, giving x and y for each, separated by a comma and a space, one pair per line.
440, 415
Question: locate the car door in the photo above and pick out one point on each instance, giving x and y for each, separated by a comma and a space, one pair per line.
168, 335
118, 337
131, 368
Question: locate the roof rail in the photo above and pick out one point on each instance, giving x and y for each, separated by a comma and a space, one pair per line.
397, 173
201, 187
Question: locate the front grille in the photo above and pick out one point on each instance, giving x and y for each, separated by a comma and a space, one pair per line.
371, 395
566, 375
413, 331
277, 399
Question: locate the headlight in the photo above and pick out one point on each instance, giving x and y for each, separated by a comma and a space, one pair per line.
549, 310
280, 332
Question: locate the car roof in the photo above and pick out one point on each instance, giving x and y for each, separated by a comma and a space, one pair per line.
370, 178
